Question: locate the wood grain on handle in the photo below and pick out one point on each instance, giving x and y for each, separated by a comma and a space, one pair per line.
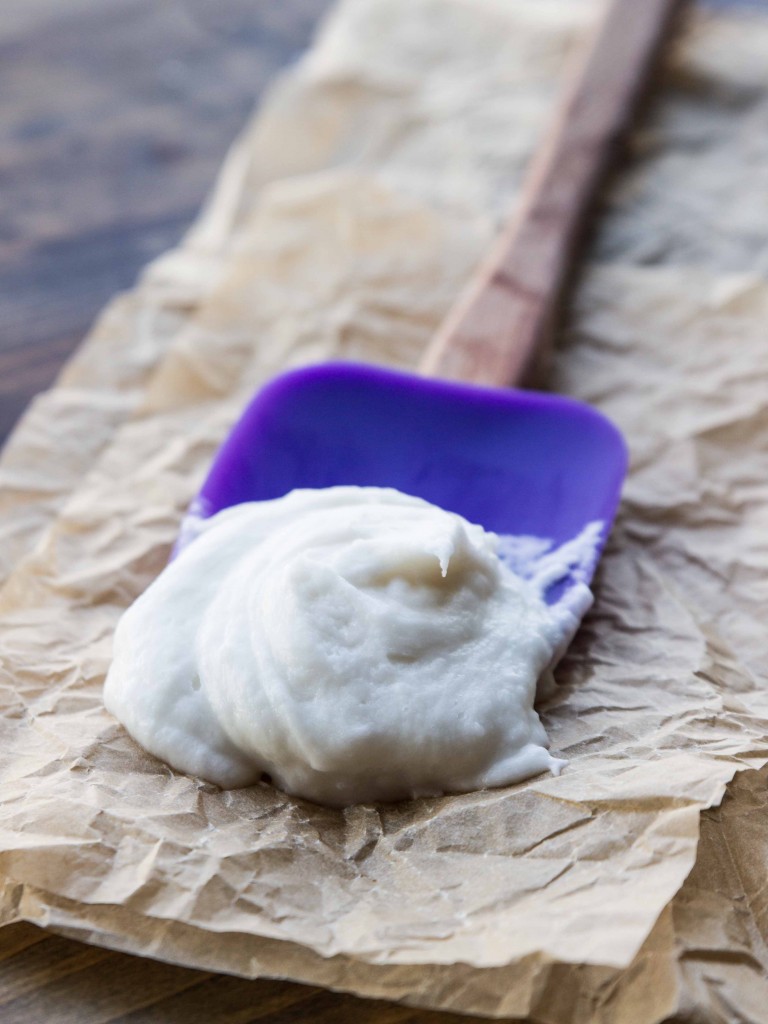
498, 333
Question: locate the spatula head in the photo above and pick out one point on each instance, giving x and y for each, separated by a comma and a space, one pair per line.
516, 462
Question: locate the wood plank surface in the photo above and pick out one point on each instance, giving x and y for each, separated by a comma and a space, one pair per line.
45, 979
114, 117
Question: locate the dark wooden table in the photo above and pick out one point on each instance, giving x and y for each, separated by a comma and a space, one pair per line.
114, 118
45, 979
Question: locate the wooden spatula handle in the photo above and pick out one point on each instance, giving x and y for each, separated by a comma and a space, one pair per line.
498, 333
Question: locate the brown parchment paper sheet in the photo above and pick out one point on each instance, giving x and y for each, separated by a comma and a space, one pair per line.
394, 143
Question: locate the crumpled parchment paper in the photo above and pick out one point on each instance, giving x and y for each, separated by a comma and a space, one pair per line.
345, 220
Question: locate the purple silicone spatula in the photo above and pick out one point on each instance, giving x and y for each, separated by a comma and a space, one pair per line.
517, 462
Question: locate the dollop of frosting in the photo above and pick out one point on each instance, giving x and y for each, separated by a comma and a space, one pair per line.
352, 644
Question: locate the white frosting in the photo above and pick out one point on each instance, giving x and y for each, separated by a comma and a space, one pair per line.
354, 644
